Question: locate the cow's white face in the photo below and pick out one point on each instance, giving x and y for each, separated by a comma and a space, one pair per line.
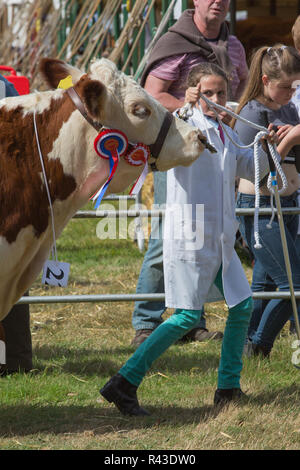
117, 101
130, 108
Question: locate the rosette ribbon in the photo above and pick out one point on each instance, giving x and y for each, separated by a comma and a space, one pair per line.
109, 144
138, 155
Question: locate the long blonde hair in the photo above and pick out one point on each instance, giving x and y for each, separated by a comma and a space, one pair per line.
273, 62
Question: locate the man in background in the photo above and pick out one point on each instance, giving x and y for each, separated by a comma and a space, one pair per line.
199, 35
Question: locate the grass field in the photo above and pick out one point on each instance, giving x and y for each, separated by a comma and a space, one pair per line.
77, 347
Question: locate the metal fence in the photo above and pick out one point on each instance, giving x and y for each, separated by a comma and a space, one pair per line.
74, 299
136, 213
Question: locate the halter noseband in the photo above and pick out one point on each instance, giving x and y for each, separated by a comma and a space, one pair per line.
155, 148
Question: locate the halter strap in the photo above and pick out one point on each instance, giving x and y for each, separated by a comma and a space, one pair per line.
80, 106
155, 148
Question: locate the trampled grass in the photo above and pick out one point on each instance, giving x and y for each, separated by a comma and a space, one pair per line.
77, 347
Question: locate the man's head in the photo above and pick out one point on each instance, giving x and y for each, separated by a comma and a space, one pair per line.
211, 10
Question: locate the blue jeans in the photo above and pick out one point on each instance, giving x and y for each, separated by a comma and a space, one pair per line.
147, 314
269, 273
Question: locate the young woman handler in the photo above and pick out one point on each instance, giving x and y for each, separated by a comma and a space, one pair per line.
199, 256
274, 75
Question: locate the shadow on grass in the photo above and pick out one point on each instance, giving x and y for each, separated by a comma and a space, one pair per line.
288, 397
23, 420
93, 361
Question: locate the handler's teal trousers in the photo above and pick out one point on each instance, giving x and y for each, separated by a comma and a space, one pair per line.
178, 325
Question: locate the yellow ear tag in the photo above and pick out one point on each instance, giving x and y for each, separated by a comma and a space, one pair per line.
66, 83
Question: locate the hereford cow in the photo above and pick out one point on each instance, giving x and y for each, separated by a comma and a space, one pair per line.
74, 170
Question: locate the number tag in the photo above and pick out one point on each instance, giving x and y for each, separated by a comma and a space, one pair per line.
2, 352
55, 273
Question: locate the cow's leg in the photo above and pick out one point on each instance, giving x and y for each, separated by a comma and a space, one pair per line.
2, 349
18, 339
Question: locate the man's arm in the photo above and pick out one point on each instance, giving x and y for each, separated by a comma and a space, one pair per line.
158, 88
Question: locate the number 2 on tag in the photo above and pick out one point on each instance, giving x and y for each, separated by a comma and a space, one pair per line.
56, 273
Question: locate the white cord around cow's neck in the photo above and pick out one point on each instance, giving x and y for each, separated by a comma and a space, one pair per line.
46, 185
187, 111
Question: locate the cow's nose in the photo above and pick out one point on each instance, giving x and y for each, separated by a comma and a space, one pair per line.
199, 139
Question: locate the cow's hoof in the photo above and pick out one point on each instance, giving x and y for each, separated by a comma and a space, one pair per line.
123, 394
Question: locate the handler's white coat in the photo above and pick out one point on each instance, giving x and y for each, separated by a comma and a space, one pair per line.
190, 268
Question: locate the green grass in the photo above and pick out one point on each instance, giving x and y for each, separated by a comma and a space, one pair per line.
77, 347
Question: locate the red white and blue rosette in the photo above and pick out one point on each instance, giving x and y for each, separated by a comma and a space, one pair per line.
110, 141
109, 144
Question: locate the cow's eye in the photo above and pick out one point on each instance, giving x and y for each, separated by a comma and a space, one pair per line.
140, 110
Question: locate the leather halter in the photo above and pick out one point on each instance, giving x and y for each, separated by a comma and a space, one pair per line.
81, 108
155, 148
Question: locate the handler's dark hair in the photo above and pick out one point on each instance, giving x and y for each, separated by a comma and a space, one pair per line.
204, 69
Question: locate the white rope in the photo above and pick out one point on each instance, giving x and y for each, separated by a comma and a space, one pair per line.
186, 111
272, 182
46, 185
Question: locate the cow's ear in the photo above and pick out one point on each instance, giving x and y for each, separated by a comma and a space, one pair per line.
55, 70
93, 94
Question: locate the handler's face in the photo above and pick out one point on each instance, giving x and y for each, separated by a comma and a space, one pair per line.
280, 91
209, 10
214, 88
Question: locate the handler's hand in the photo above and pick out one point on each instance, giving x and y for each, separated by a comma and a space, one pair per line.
283, 131
272, 137
225, 117
192, 95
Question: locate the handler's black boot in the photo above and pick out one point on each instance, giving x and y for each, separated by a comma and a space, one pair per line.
225, 396
123, 394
